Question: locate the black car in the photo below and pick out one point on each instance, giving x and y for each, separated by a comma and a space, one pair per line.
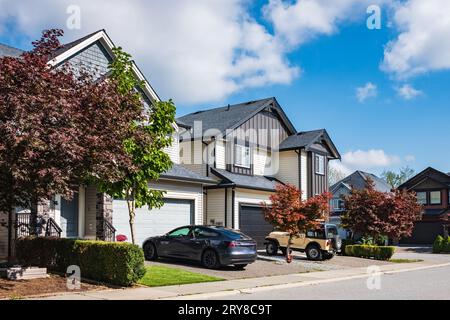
210, 245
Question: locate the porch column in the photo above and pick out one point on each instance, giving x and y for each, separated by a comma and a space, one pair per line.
81, 212
104, 212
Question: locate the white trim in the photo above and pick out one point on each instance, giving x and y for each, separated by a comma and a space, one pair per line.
81, 212
103, 37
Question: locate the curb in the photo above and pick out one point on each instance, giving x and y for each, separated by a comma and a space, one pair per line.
295, 284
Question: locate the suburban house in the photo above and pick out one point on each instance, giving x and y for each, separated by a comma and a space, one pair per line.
433, 192
89, 214
342, 188
247, 149
226, 162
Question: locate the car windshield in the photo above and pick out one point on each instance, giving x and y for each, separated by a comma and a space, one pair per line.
331, 232
233, 234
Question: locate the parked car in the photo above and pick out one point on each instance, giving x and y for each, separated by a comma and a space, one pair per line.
212, 246
320, 244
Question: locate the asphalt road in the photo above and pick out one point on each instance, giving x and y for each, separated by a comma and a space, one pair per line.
432, 284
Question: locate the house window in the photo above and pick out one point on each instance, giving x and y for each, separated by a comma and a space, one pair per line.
435, 197
337, 204
422, 197
242, 156
320, 164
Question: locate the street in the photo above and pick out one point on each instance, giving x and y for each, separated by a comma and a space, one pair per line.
433, 284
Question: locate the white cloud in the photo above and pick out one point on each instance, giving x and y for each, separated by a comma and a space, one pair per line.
194, 51
410, 158
369, 90
423, 44
374, 159
408, 92
302, 20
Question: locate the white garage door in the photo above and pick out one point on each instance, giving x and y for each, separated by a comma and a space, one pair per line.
175, 213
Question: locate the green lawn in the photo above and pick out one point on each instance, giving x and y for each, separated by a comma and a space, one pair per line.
405, 260
158, 276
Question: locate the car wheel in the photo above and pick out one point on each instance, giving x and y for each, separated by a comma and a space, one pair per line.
314, 253
328, 256
150, 252
272, 248
240, 266
210, 259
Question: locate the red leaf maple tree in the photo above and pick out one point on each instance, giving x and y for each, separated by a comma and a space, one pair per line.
375, 214
58, 127
288, 212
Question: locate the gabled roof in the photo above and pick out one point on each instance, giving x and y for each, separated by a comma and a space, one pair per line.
179, 172
68, 50
305, 140
243, 181
8, 51
232, 116
358, 180
428, 173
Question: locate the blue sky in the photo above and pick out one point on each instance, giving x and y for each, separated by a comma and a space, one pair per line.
313, 66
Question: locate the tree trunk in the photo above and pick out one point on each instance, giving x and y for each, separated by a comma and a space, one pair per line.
11, 211
132, 213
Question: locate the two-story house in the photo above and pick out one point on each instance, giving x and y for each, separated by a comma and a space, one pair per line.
357, 180
89, 215
247, 149
433, 192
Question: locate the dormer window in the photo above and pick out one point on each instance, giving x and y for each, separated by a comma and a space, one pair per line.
320, 164
242, 156
435, 197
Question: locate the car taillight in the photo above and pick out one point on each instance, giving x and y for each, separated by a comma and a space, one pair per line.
232, 244
328, 242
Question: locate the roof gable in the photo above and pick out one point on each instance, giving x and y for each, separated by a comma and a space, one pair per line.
218, 120
359, 179
307, 140
8, 51
428, 173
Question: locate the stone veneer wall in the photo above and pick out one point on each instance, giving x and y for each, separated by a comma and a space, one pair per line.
104, 211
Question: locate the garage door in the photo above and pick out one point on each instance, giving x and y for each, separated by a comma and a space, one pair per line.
175, 213
253, 224
425, 232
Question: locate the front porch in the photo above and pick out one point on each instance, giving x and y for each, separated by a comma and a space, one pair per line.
87, 216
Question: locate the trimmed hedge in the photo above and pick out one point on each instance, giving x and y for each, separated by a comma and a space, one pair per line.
111, 262
441, 245
370, 252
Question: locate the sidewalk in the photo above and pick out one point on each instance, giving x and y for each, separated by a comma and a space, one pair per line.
223, 288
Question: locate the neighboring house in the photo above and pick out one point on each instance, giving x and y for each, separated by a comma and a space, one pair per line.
433, 192
90, 214
247, 149
342, 188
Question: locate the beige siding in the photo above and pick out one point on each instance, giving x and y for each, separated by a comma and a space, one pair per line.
181, 190
244, 196
262, 163
191, 156
174, 150
288, 168
304, 175
215, 211
220, 155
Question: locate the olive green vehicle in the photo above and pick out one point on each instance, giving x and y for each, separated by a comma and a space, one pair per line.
320, 244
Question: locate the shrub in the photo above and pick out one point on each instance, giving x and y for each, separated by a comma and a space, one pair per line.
115, 263
345, 243
370, 252
438, 244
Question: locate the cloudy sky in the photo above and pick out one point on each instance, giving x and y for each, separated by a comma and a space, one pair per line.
382, 94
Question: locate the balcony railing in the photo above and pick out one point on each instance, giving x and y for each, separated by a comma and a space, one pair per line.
109, 231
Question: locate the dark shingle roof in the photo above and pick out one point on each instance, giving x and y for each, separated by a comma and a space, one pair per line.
428, 173
358, 180
178, 172
244, 181
7, 51
229, 117
306, 139
72, 44
301, 139
434, 212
